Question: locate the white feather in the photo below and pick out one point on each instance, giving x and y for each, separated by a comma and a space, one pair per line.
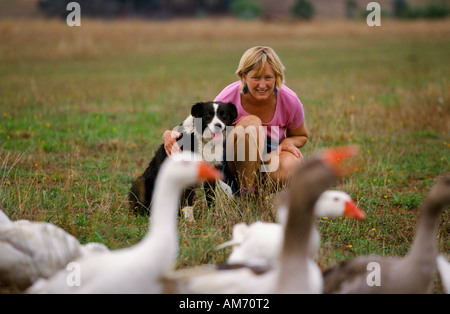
443, 266
30, 250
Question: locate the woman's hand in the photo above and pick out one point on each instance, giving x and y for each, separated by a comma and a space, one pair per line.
287, 145
170, 141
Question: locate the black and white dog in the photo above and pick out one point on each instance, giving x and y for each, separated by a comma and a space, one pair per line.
203, 132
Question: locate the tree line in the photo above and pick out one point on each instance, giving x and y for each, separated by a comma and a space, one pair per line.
245, 9
138, 8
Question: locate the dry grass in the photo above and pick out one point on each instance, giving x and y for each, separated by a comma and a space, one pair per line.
97, 38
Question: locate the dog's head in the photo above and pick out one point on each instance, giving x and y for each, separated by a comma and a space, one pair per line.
215, 116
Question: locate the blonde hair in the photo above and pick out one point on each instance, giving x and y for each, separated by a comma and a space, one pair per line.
255, 59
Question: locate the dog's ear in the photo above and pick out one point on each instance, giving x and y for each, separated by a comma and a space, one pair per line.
197, 110
233, 111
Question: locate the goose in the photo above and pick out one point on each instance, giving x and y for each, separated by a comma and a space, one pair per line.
299, 273
412, 274
259, 244
443, 266
4, 219
138, 269
295, 272
30, 250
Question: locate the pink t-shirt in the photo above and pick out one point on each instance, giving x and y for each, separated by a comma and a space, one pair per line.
288, 112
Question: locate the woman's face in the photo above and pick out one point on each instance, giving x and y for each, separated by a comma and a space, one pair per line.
260, 85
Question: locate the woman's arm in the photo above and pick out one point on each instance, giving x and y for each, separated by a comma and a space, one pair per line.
170, 141
295, 139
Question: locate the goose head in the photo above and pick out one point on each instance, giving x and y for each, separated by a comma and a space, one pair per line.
331, 204
335, 204
336, 157
312, 178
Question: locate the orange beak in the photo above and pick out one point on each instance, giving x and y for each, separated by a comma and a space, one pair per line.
353, 211
208, 173
334, 157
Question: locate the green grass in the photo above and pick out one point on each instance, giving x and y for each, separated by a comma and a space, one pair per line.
83, 109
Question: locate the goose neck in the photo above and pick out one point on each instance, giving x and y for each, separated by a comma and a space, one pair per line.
164, 207
424, 245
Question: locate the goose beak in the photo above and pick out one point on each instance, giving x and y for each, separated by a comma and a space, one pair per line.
335, 157
353, 211
208, 173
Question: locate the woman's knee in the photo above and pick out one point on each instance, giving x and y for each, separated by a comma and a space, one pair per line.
244, 142
288, 163
250, 120
282, 166
248, 131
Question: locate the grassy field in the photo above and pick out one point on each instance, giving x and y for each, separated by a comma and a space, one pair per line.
82, 110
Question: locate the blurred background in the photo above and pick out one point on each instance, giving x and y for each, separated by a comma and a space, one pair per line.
247, 9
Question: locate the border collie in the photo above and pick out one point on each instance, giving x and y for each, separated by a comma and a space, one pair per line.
203, 132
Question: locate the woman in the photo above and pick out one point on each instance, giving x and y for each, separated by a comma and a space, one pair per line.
270, 122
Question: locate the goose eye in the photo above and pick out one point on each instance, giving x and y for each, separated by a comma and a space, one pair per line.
336, 199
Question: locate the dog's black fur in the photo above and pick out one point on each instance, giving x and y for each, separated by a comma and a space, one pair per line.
215, 116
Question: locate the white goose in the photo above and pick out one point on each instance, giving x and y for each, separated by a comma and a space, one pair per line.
138, 269
259, 244
4, 219
443, 266
30, 250
413, 273
296, 272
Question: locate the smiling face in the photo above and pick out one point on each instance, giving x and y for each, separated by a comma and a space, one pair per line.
260, 71
260, 84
